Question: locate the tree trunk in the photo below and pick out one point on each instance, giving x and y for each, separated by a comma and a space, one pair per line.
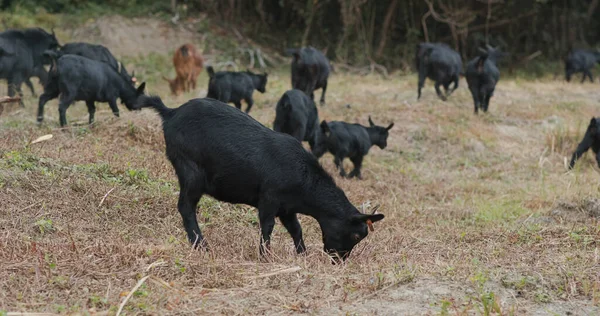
386, 26
312, 6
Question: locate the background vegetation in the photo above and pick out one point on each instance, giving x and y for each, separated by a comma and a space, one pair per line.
362, 32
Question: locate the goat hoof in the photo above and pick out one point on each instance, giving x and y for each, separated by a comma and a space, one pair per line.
200, 245
301, 249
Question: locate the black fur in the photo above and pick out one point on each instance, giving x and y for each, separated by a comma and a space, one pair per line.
77, 78
21, 53
343, 140
591, 139
42, 75
98, 53
583, 61
439, 63
310, 71
228, 86
219, 151
297, 115
482, 77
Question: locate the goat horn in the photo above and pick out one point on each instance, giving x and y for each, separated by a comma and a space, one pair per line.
375, 209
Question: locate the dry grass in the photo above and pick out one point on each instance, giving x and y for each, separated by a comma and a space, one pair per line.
481, 215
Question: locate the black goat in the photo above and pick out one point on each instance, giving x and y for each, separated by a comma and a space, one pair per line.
98, 53
482, 77
343, 140
22, 52
310, 71
297, 115
77, 78
220, 151
583, 61
42, 75
591, 139
440, 63
228, 86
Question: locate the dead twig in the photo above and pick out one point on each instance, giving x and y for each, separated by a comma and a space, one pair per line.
105, 195
130, 294
277, 272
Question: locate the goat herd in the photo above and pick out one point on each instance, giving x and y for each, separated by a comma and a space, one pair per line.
223, 152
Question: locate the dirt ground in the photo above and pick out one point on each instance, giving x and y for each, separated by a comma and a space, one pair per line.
482, 217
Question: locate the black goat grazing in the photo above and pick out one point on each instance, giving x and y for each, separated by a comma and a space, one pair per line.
343, 140
98, 53
439, 63
228, 86
482, 77
310, 71
220, 151
583, 61
77, 78
591, 139
297, 115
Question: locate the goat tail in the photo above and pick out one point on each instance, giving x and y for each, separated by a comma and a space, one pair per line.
481, 62
53, 56
211, 71
156, 103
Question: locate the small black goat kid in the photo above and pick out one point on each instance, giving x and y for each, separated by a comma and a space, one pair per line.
343, 140
591, 139
220, 151
228, 86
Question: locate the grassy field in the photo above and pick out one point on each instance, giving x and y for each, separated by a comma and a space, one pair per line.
482, 217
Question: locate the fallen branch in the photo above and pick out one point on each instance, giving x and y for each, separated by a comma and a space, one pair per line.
9, 99
4, 100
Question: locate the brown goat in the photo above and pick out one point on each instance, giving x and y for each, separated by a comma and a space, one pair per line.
188, 65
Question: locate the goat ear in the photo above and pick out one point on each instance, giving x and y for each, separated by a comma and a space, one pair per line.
369, 219
482, 50
371, 122
140, 89
489, 47
593, 122
390, 126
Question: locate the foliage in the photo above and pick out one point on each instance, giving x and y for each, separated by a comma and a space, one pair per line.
361, 32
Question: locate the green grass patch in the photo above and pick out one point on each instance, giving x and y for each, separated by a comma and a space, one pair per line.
488, 210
